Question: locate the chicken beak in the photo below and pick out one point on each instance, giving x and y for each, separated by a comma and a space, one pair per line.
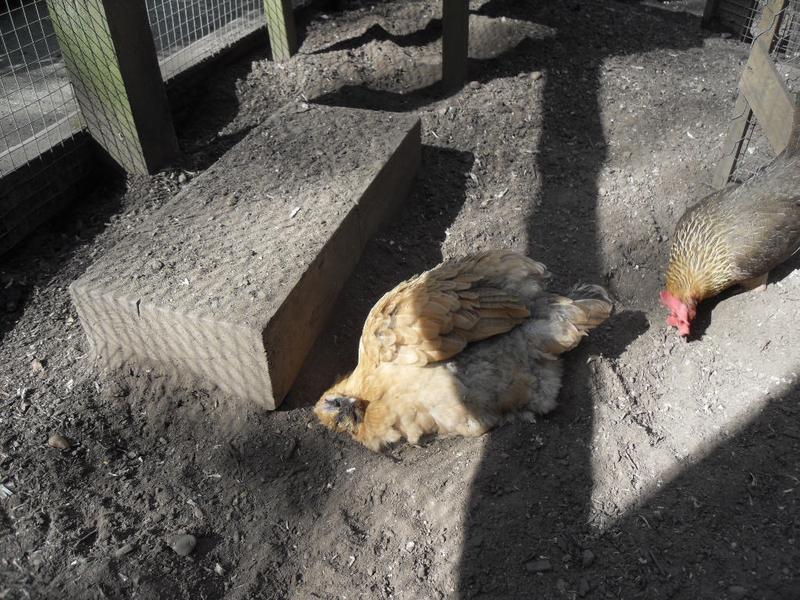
347, 410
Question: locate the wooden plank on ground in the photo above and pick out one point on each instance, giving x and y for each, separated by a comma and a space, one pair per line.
230, 282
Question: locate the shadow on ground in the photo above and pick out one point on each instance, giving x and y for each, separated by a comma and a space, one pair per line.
530, 529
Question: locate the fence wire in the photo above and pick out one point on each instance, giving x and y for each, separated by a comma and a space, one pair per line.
37, 104
44, 149
756, 152
189, 31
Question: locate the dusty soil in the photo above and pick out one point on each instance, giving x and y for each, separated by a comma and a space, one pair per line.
671, 469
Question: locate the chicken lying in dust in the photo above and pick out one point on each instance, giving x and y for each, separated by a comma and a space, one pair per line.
734, 236
460, 349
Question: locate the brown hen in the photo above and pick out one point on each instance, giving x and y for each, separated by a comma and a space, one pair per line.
734, 236
459, 349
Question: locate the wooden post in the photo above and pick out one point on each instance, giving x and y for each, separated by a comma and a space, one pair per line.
762, 95
455, 42
281, 29
709, 12
111, 58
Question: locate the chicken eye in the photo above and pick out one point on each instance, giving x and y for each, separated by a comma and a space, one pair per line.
334, 402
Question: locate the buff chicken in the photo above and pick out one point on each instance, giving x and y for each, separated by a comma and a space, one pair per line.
460, 349
734, 236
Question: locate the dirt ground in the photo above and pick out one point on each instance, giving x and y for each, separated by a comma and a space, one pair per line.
671, 468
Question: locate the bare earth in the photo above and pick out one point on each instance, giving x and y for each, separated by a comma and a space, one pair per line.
672, 468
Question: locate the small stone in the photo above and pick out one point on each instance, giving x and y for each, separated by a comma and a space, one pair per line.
123, 550
184, 544
737, 591
587, 559
561, 585
410, 546
474, 85
536, 75
725, 35
219, 570
421, 571
59, 442
538, 566
583, 587
182, 178
37, 366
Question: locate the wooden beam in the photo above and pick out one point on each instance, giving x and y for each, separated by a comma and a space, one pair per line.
111, 59
281, 28
768, 96
768, 24
709, 12
455, 42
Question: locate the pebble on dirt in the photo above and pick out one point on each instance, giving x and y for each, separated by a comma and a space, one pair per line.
583, 587
184, 544
123, 550
59, 442
737, 591
588, 558
538, 566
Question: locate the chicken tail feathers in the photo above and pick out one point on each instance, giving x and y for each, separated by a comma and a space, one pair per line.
594, 303
560, 326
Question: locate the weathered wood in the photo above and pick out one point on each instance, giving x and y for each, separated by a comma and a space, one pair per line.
281, 28
768, 96
769, 22
765, 30
231, 281
455, 42
111, 59
709, 12
733, 142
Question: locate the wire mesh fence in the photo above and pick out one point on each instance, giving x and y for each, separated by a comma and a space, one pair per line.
37, 105
47, 113
189, 31
756, 152
38, 108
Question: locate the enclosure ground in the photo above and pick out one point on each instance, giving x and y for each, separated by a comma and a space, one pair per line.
670, 469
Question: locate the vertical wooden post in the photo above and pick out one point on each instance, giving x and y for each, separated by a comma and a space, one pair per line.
768, 24
455, 42
281, 29
111, 58
709, 12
